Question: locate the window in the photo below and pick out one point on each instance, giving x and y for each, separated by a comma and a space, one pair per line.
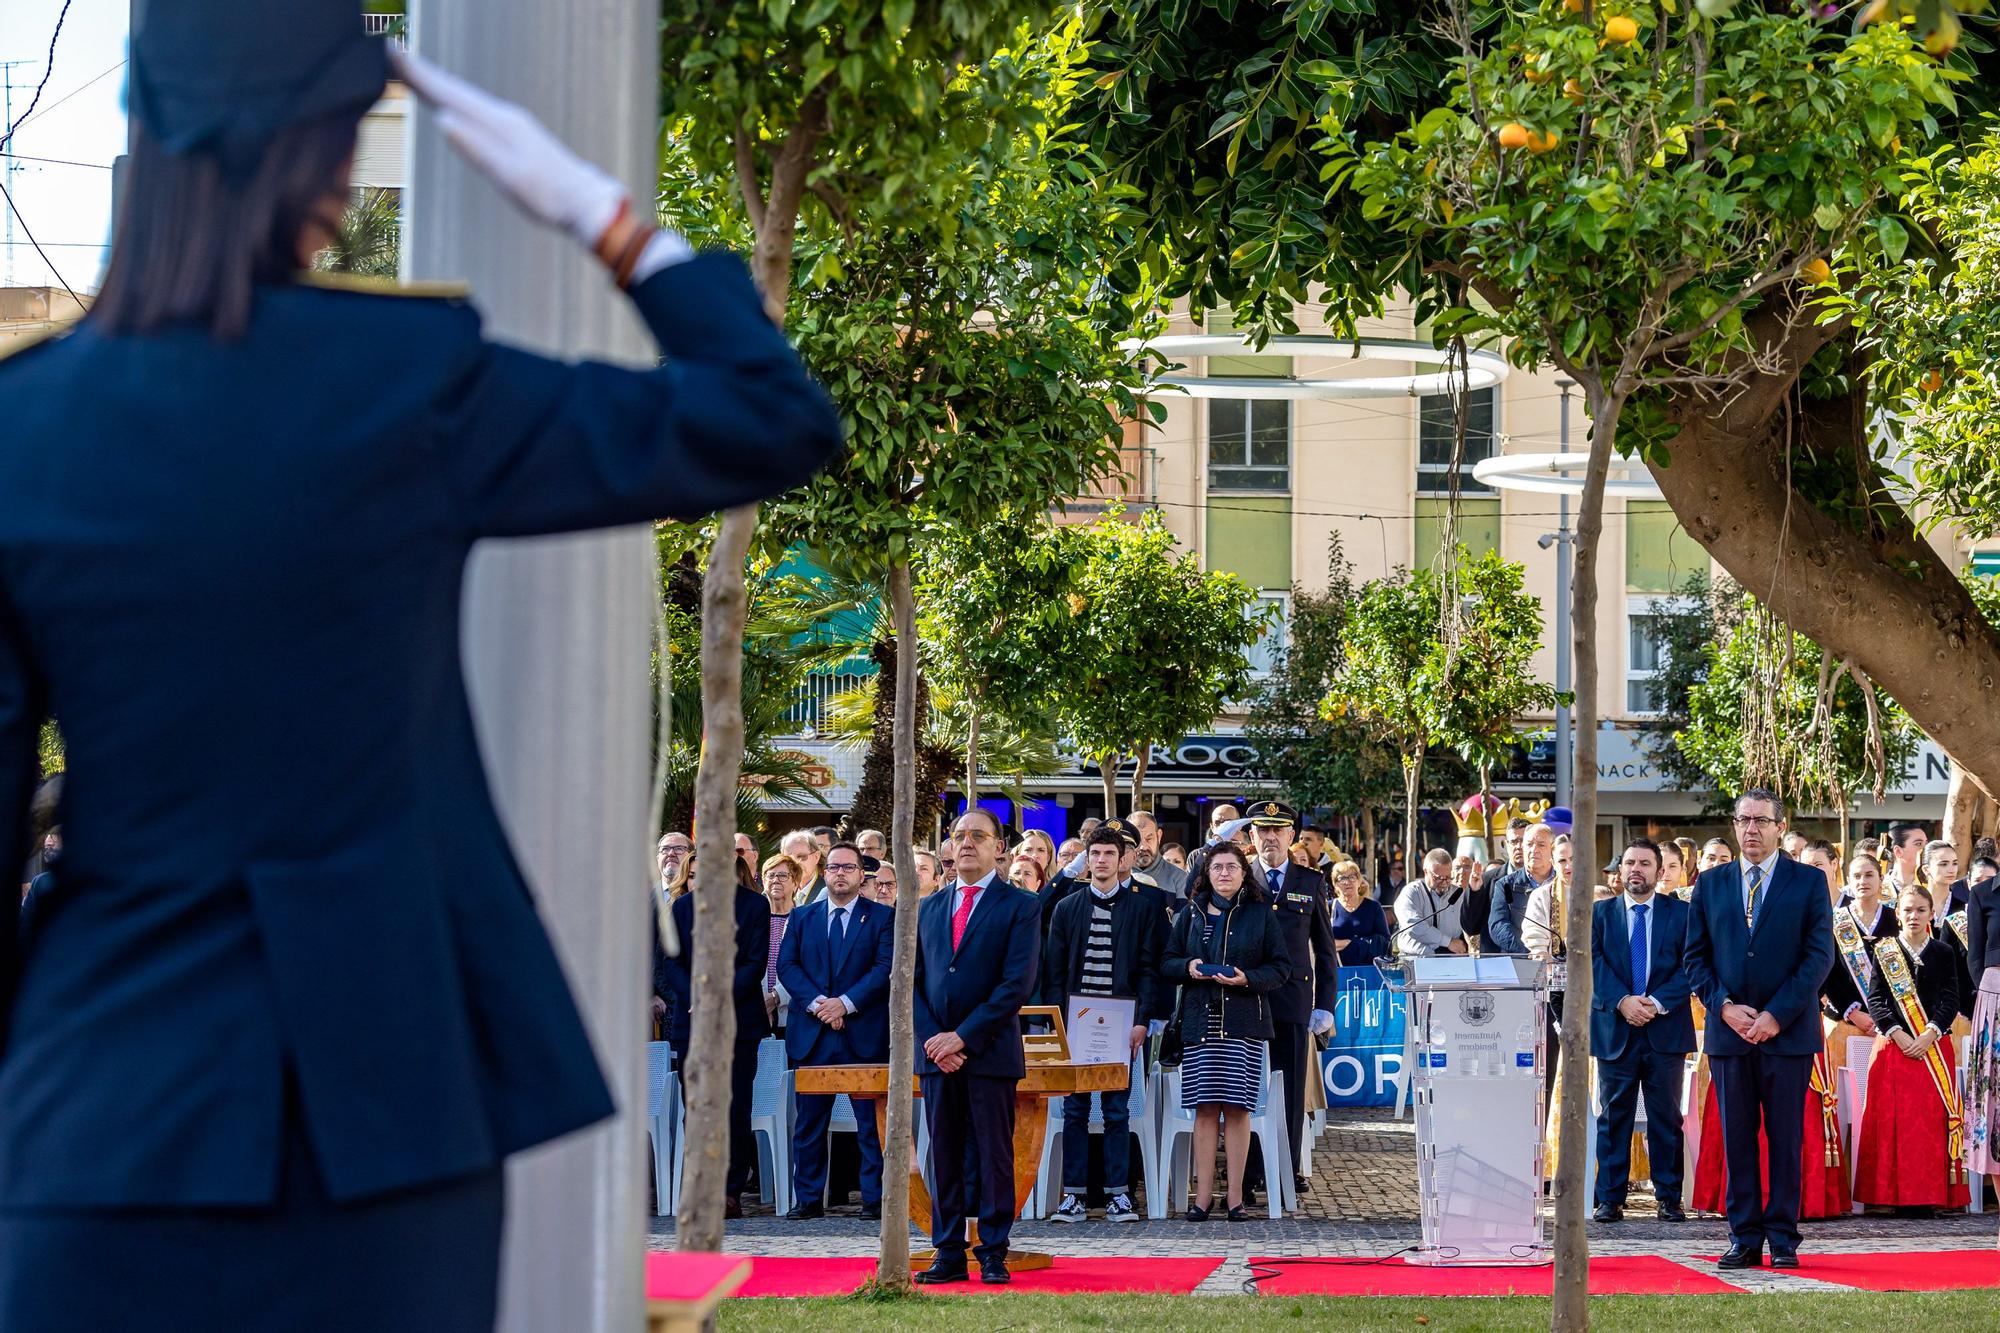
1249, 444
1437, 428
1659, 554
1645, 657
1265, 652
1478, 526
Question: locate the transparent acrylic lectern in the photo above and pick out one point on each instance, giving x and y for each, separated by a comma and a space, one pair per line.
1478, 1096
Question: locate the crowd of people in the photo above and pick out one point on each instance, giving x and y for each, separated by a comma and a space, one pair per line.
1229, 956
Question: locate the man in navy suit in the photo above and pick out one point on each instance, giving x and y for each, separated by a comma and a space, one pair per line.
834, 963
1759, 944
978, 946
753, 1021
1641, 1030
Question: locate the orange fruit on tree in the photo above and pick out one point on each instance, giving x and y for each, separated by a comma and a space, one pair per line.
1514, 135
1815, 270
1534, 70
1573, 6
1931, 382
1539, 142
1621, 29
1572, 90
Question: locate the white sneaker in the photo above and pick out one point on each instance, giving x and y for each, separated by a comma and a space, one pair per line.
1121, 1209
1070, 1210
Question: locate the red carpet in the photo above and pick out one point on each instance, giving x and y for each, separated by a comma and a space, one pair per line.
786, 1276
1913, 1270
1636, 1275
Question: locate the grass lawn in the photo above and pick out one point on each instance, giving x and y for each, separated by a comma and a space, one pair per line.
1804, 1312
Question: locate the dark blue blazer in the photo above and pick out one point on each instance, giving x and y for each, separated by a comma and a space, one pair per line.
806, 969
1667, 981
977, 990
751, 959
1779, 968
234, 570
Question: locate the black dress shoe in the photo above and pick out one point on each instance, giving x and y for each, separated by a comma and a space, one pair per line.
1299, 1184
1671, 1212
940, 1272
1742, 1256
805, 1212
1782, 1260
1239, 1214
871, 1212
993, 1272
1607, 1212
732, 1207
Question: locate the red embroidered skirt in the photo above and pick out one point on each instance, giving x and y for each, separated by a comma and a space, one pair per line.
1822, 1188
1902, 1159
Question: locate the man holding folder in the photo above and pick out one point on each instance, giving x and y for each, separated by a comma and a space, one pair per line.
1104, 944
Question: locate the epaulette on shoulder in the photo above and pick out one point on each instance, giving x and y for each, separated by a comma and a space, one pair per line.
367, 286
1140, 877
13, 347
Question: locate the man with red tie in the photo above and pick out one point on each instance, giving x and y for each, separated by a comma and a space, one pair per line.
978, 944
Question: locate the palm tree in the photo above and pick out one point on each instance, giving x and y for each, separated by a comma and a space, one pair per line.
370, 239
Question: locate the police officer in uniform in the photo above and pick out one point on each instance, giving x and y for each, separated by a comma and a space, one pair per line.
289, 1005
1303, 1006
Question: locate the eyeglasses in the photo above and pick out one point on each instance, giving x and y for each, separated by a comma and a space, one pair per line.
972, 835
843, 865
1756, 821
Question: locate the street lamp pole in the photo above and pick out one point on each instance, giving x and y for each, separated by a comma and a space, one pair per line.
1563, 596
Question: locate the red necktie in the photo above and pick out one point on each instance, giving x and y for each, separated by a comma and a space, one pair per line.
961, 916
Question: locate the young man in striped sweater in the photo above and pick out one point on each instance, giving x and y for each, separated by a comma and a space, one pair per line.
1103, 941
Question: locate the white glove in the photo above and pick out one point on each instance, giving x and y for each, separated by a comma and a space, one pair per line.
1075, 868
517, 153
1320, 1023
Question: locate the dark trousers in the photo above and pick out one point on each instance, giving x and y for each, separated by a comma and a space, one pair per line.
814, 1113
1290, 1045
1117, 1142
1770, 1090
971, 1123
1620, 1083
742, 1147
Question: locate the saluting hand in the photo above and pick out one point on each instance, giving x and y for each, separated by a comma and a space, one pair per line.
528, 164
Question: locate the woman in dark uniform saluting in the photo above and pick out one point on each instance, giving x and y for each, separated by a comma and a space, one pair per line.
288, 1005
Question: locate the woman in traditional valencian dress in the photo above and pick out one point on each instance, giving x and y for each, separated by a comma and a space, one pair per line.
1909, 1142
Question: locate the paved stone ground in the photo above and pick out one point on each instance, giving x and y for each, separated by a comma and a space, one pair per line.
1362, 1203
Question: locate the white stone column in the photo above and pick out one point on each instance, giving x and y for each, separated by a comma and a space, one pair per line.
557, 631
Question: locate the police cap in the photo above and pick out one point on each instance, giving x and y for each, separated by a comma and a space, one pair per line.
223, 79
1272, 814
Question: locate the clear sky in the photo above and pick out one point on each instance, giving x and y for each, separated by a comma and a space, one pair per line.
81, 119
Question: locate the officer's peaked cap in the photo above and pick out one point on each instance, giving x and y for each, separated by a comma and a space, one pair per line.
223, 79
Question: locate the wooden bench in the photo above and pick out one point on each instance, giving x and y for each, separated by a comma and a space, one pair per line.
682, 1290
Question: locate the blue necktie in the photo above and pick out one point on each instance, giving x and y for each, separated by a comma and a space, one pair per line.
1275, 878
839, 937
1750, 896
1639, 953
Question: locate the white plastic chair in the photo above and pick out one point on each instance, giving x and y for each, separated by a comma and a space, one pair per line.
1850, 1101
771, 1124
663, 1114
1176, 1149
1143, 1118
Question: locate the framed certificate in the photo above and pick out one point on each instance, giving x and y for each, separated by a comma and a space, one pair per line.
1100, 1030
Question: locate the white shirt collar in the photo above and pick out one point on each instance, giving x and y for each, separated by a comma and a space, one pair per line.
986, 882
1631, 902
1769, 864
1116, 889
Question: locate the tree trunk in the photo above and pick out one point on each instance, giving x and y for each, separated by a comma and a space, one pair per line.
1413, 781
1139, 778
1571, 1312
1885, 599
874, 797
1968, 815
1107, 769
1368, 844
712, 1022
971, 753
893, 1269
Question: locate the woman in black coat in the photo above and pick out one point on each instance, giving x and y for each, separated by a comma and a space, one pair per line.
1228, 952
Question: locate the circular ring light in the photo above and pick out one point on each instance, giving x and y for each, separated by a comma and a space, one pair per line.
1484, 369
1562, 474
